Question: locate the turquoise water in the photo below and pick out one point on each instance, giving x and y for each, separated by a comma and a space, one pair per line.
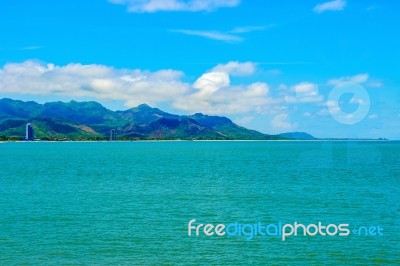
130, 202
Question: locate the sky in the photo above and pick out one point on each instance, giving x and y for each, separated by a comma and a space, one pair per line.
329, 68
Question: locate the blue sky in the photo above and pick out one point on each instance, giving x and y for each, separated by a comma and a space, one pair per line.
268, 65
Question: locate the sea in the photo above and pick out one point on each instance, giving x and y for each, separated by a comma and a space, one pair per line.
169, 202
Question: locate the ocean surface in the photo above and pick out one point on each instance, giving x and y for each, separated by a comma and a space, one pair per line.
129, 203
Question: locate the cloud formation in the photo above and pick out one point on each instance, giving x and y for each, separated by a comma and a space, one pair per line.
26, 48
359, 78
335, 5
231, 36
211, 93
306, 92
362, 78
235, 68
94, 81
282, 122
213, 35
246, 29
152, 6
244, 121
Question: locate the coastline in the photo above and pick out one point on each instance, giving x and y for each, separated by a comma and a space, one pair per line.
216, 140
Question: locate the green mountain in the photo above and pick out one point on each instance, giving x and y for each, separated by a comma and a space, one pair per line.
92, 121
297, 136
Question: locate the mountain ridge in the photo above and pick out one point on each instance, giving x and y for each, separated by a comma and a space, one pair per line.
92, 121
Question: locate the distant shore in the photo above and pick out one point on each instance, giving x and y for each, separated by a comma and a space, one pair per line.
204, 140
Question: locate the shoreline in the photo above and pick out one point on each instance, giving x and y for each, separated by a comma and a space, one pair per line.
177, 140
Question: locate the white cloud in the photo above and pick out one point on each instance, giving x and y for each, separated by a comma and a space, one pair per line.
214, 35
362, 78
359, 78
231, 36
94, 81
215, 95
335, 5
211, 93
246, 29
244, 121
211, 82
306, 92
235, 68
356, 100
373, 116
306, 89
151, 6
281, 122
307, 114
333, 107
26, 48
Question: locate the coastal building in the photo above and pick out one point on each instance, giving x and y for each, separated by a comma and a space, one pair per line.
29, 133
113, 134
